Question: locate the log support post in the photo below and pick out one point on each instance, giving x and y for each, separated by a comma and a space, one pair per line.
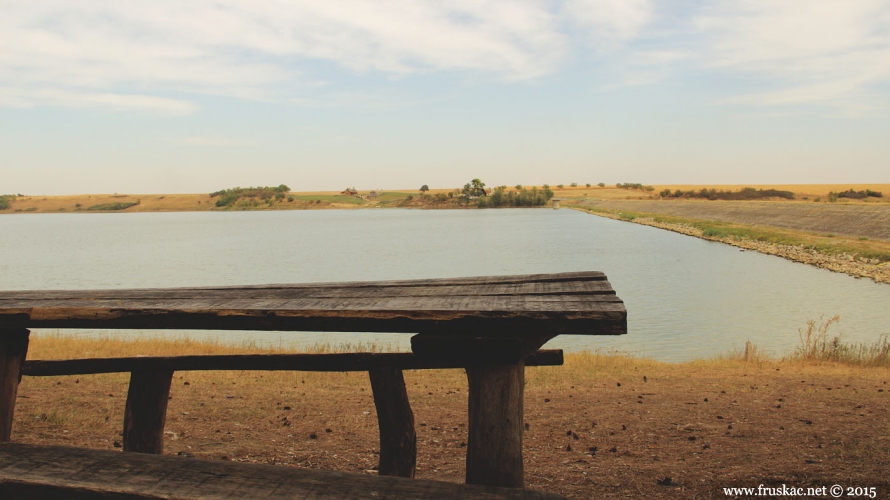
495, 367
398, 441
13, 349
146, 411
494, 444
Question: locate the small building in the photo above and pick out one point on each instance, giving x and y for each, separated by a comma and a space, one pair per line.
350, 192
372, 195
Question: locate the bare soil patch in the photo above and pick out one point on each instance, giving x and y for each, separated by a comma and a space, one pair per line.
600, 426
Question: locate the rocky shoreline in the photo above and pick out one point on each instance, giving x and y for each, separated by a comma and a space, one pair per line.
857, 267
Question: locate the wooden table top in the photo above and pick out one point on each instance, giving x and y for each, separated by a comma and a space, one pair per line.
582, 303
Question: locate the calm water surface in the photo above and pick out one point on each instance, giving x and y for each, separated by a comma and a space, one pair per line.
685, 297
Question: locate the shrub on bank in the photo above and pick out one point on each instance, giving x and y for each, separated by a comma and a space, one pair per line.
523, 197
114, 206
714, 194
856, 195
228, 197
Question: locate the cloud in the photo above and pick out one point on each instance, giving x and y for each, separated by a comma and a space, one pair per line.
610, 21
261, 48
27, 98
830, 53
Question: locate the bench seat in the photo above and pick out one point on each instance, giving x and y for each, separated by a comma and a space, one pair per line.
58, 472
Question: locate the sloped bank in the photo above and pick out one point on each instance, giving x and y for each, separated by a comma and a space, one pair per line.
858, 267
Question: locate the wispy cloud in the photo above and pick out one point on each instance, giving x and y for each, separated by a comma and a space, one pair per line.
829, 53
151, 56
26, 98
253, 49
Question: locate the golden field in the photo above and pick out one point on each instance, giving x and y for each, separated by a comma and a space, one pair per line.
333, 199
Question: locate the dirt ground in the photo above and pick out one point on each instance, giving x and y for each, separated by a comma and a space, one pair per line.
598, 427
871, 220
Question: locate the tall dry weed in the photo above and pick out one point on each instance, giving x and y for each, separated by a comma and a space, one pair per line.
817, 344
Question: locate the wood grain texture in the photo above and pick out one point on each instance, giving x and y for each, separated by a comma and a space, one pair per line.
494, 441
343, 362
398, 441
32, 471
13, 349
146, 411
565, 303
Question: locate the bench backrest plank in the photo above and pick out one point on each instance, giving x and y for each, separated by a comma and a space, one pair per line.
339, 362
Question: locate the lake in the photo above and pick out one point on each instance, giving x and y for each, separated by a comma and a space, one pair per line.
686, 298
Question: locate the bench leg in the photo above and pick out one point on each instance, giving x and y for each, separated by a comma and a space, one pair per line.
398, 441
146, 411
13, 348
494, 447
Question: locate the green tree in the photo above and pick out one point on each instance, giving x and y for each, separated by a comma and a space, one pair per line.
474, 188
424, 188
602, 184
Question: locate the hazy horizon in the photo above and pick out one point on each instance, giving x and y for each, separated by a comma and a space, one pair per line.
104, 97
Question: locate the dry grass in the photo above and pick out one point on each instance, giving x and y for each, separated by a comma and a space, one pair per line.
817, 344
602, 425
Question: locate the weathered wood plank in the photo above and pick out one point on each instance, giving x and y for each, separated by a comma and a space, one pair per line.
278, 292
32, 471
421, 283
59, 308
398, 440
146, 411
13, 349
565, 303
581, 318
342, 362
494, 441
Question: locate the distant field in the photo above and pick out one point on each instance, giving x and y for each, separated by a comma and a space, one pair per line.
802, 192
805, 193
191, 202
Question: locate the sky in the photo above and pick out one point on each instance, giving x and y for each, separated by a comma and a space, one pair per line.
191, 97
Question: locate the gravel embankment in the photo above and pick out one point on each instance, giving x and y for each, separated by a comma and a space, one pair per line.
843, 263
870, 220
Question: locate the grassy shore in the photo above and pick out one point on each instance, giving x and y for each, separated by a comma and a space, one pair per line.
602, 425
856, 256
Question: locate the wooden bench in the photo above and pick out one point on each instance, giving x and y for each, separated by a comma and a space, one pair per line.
491, 326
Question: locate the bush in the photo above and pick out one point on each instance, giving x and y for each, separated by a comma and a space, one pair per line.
633, 185
228, 197
857, 195
713, 194
533, 197
114, 206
